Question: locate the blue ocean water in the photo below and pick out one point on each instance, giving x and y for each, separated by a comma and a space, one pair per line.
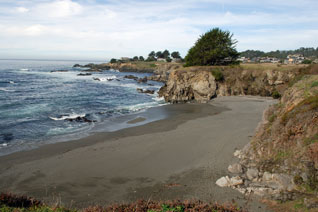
34, 102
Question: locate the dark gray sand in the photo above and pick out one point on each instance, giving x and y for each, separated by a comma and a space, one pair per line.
180, 157
137, 120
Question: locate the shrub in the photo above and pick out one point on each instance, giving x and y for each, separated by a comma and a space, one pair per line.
113, 60
218, 75
216, 47
307, 61
314, 84
276, 95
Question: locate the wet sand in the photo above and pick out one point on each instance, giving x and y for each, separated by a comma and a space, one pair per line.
179, 157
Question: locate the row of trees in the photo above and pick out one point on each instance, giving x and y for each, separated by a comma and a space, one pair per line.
306, 52
153, 56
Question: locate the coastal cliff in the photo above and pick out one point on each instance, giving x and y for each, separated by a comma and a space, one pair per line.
281, 160
203, 83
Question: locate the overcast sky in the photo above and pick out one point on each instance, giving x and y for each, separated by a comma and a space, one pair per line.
102, 29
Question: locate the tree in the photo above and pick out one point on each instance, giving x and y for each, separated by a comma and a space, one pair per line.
175, 55
113, 60
152, 54
166, 54
216, 47
141, 58
151, 58
135, 58
159, 54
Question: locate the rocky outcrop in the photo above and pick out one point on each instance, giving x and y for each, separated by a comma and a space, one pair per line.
240, 81
133, 67
140, 90
198, 83
188, 85
59, 71
84, 74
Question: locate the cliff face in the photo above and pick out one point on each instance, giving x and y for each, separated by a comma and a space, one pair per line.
253, 82
199, 84
284, 150
189, 85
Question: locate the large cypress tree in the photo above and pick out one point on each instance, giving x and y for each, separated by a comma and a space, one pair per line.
216, 47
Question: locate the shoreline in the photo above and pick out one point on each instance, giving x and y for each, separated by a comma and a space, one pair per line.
173, 158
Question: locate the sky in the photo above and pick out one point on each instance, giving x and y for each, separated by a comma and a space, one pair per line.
104, 29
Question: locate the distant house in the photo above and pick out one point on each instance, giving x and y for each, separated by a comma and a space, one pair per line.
269, 60
176, 60
244, 59
161, 60
294, 59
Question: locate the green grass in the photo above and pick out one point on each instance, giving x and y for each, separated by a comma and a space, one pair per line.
272, 118
314, 84
167, 208
282, 155
152, 65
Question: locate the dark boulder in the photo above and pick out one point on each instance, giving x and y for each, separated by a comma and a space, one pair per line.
145, 91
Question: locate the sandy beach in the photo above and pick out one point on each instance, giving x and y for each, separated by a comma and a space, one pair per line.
180, 157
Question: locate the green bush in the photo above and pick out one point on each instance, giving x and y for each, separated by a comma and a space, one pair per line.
113, 60
314, 84
218, 75
276, 95
216, 47
307, 61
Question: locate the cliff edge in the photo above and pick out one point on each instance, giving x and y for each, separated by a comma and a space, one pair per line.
201, 84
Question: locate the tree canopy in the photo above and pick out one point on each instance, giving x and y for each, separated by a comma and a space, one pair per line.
281, 54
216, 47
175, 55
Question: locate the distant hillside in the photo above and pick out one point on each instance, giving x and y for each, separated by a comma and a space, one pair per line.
281, 54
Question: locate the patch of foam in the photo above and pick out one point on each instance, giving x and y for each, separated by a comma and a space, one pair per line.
24, 69
11, 82
105, 79
139, 107
3, 145
67, 116
6, 90
113, 70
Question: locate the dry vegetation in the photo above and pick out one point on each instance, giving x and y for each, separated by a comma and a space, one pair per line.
14, 203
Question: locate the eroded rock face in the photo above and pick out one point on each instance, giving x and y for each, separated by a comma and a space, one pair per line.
184, 86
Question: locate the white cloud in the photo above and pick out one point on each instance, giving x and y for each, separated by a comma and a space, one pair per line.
22, 9
58, 9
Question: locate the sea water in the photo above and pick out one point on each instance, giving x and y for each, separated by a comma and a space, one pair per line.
35, 102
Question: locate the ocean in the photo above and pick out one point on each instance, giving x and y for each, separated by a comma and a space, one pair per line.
36, 103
